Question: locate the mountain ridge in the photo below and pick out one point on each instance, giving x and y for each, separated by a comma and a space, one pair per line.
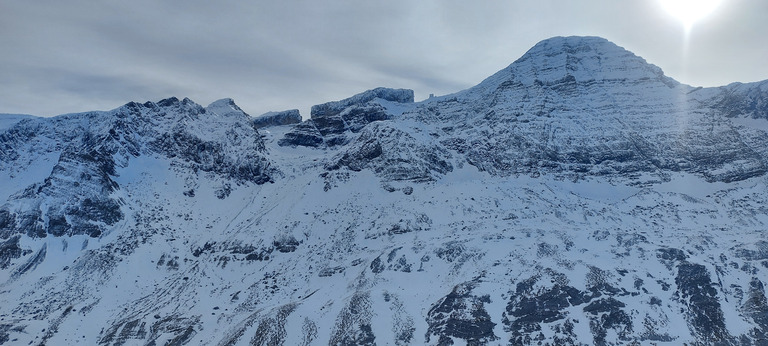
534, 208
581, 58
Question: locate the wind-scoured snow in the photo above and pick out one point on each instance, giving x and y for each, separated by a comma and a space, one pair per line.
578, 196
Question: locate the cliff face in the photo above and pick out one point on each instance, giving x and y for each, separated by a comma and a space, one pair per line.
578, 196
585, 107
288, 117
331, 123
86, 151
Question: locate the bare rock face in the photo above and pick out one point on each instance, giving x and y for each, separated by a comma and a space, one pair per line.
578, 196
756, 307
704, 315
393, 154
461, 315
80, 195
288, 117
330, 122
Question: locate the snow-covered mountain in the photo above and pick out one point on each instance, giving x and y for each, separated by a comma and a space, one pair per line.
578, 196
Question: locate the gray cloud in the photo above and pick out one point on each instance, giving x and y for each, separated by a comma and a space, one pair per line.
77, 56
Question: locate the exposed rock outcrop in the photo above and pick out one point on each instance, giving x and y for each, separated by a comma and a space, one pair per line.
288, 117
330, 122
579, 196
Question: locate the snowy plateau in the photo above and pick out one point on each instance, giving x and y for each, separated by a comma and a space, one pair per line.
577, 197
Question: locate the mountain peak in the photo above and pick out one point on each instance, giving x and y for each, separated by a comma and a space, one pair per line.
578, 58
560, 43
224, 107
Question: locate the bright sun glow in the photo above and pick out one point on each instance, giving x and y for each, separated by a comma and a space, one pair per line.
690, 11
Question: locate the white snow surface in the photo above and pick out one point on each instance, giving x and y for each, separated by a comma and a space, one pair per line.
316, 256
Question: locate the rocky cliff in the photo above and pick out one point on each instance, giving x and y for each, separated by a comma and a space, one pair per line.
578, 196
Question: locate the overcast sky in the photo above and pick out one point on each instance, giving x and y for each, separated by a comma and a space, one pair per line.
71, 56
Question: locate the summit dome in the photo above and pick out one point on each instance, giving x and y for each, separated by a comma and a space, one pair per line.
579, 59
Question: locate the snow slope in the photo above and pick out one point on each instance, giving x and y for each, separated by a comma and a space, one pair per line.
578, 196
